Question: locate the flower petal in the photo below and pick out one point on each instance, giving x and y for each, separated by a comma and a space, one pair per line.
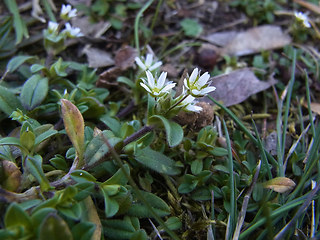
161, 80
207, 90
168, 87
148, 61
151, 80
145, 87
155, 66
193, 76
193, 108
140, 63
203, 79
186, 83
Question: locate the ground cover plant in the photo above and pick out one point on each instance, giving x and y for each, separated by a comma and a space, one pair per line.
159, 119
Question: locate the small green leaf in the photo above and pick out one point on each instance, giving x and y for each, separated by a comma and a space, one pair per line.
36, 68
17, 61
38, 216
119, 177
16, 217
159, 206
54, 227
34, 91
44, 136
74, 211
13, 141
118, 229
84, 190
173, 223
196, 166
19, 25
82, 176
59, 162
156, 161
173, 130
34, 166
191, 27
8, 101
112, 123
111, 206
74, 125
97, 148
140, 235
83, 230
27, 139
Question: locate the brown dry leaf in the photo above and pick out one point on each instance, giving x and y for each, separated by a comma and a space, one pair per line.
221, 38
98, 58
90, 29
256, 39
108, 78
124, 58
280, 184
237, 86
315, 107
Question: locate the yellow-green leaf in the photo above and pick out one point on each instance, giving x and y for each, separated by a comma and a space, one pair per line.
74, 125
280, 184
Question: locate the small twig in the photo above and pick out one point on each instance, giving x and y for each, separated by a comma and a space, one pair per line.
127, 110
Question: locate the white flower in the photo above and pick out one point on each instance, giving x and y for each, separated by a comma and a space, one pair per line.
189, 104
147, 64
198, 86
72, 31
303, 18
157, 87
53, 27
67, 12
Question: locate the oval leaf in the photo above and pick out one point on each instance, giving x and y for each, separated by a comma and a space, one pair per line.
34, 166
173, 130
34, 91
280, 184
16, 62
54, 228
74, 125
156, 161
8, 101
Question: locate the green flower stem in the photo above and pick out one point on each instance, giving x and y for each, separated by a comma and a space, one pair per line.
177, 103
136, 24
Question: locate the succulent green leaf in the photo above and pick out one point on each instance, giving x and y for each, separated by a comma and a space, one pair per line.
27, 139
13, 141
156, 161
17, 61
118, 229
74, 211
8, 101
54, 227
173, 130
84, 190
34, 166
34, 91
38, 216
191, 27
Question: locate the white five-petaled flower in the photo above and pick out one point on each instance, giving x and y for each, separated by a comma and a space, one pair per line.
157, 87
67, 12
147, 63
197, 85
72, 31
303, 18
53, 27
189, 105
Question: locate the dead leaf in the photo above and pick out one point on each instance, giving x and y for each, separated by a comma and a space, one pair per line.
108, 78
280, 184
256, 39
124, 58
221, 38
237, 86
315, 107
98, 58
